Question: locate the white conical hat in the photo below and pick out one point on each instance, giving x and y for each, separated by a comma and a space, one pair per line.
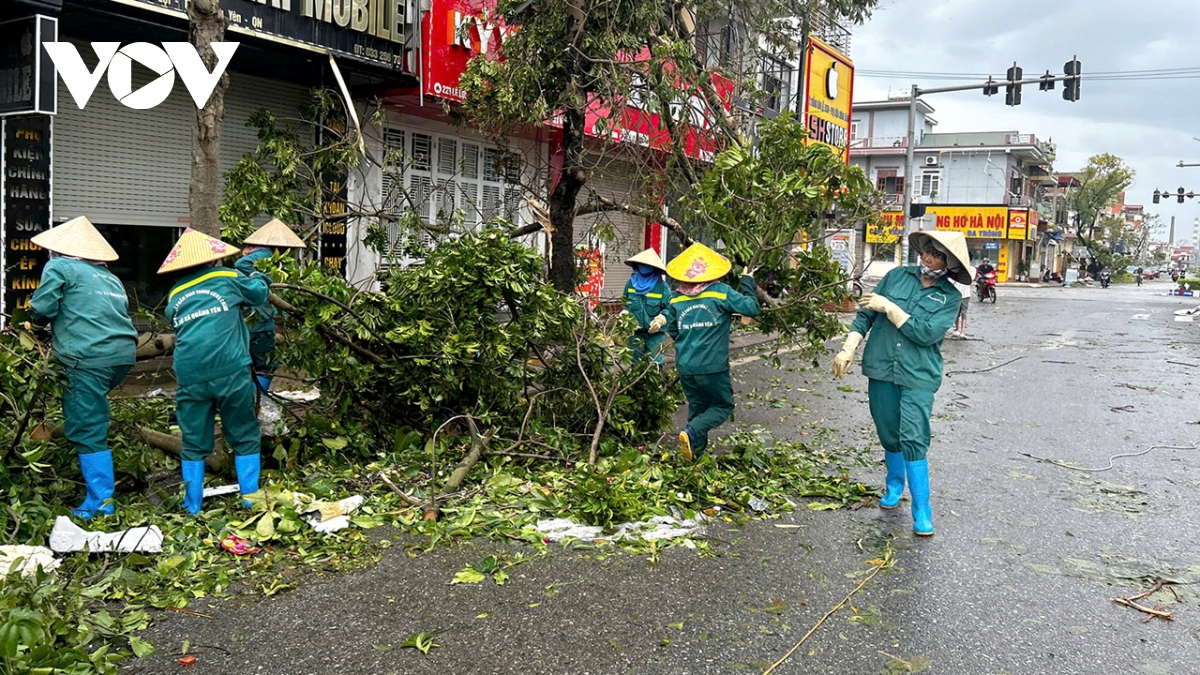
276, 234
955, 245
77, 238
647, 257
194, 248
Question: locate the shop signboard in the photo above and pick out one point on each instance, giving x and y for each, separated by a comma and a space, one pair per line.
27, 80
25, 202
1018, 223
1031, 233
841, 245
828, 95
371, 31
887, 232
975, 222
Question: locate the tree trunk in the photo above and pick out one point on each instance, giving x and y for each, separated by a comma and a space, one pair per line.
563, 201
207, 25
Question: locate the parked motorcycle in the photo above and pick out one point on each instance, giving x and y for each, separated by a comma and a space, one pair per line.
985, 287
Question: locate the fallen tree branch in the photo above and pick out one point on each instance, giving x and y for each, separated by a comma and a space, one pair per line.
328, 332
1141, 608
478, 445
150, 345
218, 462
1064, 465
28, 413
404, 497
985, 370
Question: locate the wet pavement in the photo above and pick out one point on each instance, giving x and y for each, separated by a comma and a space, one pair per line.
1019, 578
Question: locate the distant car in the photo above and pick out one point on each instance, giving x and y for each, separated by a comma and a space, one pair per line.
1131, 269
1151, 273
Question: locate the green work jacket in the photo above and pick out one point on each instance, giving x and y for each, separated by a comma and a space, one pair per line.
699, 324
645, 307
205, 307
89, 311
909, 356
262, 317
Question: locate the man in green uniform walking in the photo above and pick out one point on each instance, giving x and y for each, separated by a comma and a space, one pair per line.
212, 359
93, 337
647, 298
699, 320
260, 246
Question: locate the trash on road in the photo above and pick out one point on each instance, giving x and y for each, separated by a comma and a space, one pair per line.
657, 528
327, 516
299, 396
32, 557
219, 490
270, 418
758, 504
69, 537
238, 546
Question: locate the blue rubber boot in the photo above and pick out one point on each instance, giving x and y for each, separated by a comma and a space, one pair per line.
264, 382
97, 468
248, 468
918, 487
895, 480
193, 485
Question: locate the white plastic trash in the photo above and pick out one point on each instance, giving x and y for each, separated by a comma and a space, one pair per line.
32, 557
68, 537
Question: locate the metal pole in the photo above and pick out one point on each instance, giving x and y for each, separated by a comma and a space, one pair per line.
1171, 242
908, 173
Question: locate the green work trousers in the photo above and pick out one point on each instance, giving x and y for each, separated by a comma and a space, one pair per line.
901, 417
262, 344
646, 344
85, 406
196, 407
710, 403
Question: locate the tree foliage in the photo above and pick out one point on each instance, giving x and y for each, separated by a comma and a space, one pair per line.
1101, 182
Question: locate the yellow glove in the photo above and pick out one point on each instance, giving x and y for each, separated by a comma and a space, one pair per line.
878, 303
657, 324
841, 362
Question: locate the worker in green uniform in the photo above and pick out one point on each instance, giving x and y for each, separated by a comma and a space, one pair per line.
647, 297
93, 336
262, 245
212, 359
699, 321
907, 317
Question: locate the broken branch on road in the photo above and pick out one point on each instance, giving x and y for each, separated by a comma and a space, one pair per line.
1065, 465
985, 370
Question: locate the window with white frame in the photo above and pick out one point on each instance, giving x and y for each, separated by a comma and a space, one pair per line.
854, 130
931, 183
435, 176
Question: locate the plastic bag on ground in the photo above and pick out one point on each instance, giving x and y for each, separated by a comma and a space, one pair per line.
327, 516
32, 557
68, 537
657, 528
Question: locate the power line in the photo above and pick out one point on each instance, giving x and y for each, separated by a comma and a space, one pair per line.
1099, 76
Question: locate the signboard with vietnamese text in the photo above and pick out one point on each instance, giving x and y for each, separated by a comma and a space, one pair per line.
828, 95
1018, 223
975, 222
452, 32
372, 31
1034, 226
889, 231
25, 193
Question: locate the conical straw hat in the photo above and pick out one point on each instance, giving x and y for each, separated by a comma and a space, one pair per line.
77, 238
647, 257
276, 234
697, 264
955, 245
194, 248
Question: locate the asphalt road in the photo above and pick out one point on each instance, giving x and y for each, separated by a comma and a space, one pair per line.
1019, 578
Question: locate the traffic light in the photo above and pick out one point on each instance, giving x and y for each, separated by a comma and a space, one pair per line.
991, 88
1074, 69
1180, 195
1013, 90
1047, 83
1157, 196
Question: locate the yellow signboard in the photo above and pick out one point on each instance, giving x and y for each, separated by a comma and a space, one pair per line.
828, 92
889, 231
975, 222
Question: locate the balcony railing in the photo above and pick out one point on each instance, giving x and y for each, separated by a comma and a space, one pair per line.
879, 142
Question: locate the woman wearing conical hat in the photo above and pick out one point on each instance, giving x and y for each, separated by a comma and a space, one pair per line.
261, 245
647, 298
212, 359
93, 337
907, 317
699, 320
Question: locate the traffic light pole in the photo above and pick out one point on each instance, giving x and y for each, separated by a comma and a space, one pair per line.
989, 87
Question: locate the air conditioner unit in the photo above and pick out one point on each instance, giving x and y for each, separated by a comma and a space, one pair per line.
932, 160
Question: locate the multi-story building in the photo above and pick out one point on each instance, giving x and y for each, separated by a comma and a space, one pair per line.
992, 186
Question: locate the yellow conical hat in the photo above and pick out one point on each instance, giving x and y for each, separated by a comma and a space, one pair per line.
276, 234
194, 248
954, 244
647, 257
77, 238
697, 264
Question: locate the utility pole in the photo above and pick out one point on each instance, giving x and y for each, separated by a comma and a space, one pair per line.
1171, 239
1013, 82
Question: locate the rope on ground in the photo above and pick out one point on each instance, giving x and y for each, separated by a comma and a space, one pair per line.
1112, 459
972, 372
876, 565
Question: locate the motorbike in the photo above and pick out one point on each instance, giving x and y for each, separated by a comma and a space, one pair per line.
985, 287
1105, 278
1052, 276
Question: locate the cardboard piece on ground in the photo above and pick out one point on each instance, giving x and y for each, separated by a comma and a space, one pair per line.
69, 537
32, 557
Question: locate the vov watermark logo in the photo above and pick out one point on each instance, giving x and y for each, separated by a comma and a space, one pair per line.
117, 61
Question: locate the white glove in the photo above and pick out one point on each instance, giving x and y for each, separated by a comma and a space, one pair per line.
657, 324
747, 272
878, 303
841, 362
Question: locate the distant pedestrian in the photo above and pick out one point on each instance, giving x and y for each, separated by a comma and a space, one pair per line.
960, 324
647, 297
1138, 274
699, 321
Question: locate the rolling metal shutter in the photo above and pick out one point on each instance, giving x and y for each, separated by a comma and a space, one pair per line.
614, 181
120, 166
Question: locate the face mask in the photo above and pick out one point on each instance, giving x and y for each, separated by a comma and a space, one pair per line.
932, 274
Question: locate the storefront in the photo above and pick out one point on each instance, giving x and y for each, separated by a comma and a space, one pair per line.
882, 241
997, 233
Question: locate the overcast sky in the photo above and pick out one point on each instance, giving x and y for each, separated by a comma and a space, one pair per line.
1149, 123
